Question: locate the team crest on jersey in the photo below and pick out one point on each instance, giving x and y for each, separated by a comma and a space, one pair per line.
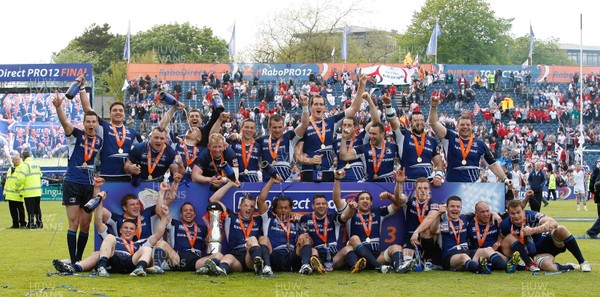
388, 151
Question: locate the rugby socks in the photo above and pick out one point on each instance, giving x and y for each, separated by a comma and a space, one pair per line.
573, 247
472, 266
266, 255
397, 260
77, 267
255, 252
72, 244
364, 252
225, 267
159, 256
497, 261
81, 243
519, 247
102, 262
305, 254
217, 261
351, 259
143, 264
564, 267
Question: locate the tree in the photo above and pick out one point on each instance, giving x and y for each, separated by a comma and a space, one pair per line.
546, 52
114, 78
304, 33
472, 34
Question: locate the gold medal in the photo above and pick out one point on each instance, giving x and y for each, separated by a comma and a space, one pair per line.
149, 176
458, 247
368, 240
419, 159
188, 169
274, 162
193, 250
288, 245
84, 165
120, 150
464, 162
347, 166
323, 146
245, 171
375, 176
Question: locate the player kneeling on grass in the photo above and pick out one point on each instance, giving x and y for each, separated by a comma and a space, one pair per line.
543, 238
364, 225
118, 255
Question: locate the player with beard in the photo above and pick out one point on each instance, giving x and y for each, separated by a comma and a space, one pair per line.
364, 225
247, 151
315, 150
463, 151
417, 150
380, 155
118, 139
421, 209
277, 147
355, 168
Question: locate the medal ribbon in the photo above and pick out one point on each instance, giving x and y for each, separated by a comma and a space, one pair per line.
287, 228
481, 239
217, 172
521, 236
246, 154
189, 160
320, 134
129, 245
419, 146
465, 151
118, 138
272, 151
250, 225
323, 236
456, 234
421, 211
88, 151
152, 164
191, 240
362, 220
377, 161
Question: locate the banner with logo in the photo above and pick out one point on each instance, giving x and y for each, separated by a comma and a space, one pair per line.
393, 228
44, 72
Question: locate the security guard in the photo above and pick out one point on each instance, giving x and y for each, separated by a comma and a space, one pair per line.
12, 195
30, 178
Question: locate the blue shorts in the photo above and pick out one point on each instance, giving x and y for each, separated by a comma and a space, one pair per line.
120, 263
285, 261
546, 245
187, 260
76, 194
452, 252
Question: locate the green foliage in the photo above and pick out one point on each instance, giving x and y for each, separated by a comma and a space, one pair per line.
114, 78
546, 52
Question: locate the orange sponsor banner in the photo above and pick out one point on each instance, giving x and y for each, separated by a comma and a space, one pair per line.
171, 72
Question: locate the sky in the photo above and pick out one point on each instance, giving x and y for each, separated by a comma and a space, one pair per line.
31, 35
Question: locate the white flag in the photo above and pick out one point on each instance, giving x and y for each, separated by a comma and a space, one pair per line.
333, 52
125, 85
525, 64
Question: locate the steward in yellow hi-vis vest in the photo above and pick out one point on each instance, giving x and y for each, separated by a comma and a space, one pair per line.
12, 194
30, 178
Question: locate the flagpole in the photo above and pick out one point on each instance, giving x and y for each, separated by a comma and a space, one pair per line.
581, 83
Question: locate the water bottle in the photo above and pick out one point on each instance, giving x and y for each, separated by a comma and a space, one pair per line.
217, 102
167, 98
92, 204
268, 169
229, 173
328, 262
73, 89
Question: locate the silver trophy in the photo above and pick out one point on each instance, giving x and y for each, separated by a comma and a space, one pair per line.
214, 211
